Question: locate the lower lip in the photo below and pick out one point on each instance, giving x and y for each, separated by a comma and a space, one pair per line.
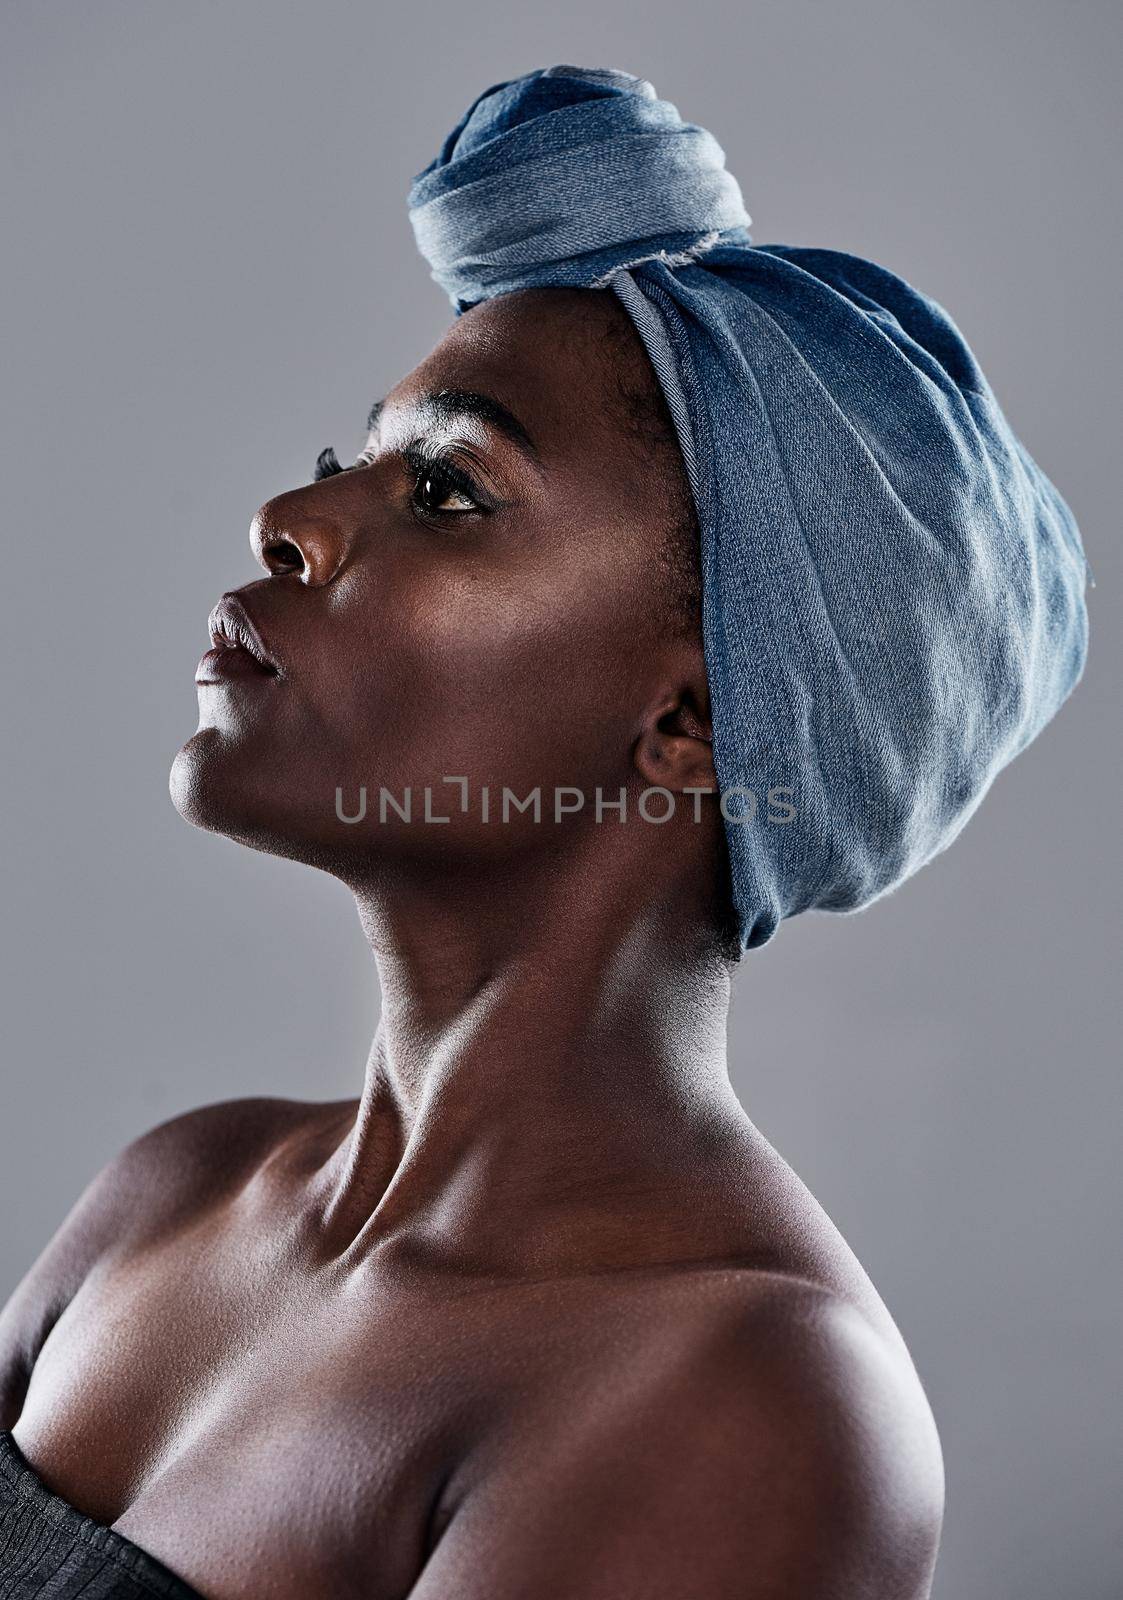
226, 664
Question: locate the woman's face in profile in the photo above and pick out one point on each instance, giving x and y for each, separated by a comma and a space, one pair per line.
478, 597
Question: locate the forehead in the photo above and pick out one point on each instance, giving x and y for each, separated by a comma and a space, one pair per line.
556, 358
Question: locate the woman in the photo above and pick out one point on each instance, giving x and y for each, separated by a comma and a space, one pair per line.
686, 585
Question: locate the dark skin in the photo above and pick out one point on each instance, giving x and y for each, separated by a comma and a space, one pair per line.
541, 1313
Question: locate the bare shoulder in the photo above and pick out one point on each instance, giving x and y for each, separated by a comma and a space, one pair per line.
178, 1168
158, 1181
832, 1398
809, 1419
760, 1437
189, 1161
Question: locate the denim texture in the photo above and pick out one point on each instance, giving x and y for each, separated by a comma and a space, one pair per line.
893, 590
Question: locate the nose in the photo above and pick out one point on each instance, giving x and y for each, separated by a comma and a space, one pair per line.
289, 535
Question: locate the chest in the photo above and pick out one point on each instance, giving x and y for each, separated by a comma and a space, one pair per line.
254, 1432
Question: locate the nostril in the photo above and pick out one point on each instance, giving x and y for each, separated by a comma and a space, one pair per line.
281, 555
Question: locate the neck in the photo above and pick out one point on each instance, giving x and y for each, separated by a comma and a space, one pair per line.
547, 1090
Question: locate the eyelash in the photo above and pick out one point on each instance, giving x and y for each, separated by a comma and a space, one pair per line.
426, 468
429, 468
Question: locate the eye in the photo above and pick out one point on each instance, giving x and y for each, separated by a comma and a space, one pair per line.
441, 492
441, 488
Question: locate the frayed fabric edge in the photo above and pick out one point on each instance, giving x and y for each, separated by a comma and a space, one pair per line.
670, 258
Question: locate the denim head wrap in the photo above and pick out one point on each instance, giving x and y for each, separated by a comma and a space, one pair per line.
893, 591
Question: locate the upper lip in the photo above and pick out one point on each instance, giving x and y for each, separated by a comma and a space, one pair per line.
232, 627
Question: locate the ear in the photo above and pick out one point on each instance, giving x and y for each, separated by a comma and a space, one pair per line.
675, 748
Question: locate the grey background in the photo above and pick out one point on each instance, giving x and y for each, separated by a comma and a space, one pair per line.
209, 275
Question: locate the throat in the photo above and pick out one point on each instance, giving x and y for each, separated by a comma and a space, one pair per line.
533, 1135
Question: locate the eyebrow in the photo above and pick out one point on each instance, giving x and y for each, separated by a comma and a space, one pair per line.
445, 405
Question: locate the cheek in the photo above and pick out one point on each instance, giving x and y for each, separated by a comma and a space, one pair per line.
521, 672
528, 672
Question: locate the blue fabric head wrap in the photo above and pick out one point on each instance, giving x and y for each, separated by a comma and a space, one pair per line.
893, 591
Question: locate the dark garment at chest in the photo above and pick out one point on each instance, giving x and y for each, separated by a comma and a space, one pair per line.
50, 1551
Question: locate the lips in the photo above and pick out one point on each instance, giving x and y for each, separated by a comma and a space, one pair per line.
238, 651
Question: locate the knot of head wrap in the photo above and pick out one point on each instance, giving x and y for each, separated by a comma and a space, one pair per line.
561, 176
893, 590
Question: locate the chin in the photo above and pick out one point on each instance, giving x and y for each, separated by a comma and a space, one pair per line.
213, 786
216, 785
202, 784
